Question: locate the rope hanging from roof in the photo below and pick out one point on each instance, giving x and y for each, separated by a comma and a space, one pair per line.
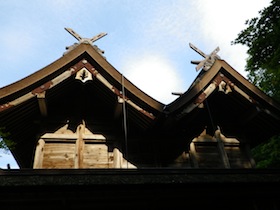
124, 120
214, 127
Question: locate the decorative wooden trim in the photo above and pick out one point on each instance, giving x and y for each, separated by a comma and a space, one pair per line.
3, 107
85, 64
37, 91
224, 85
15, 102
200, 99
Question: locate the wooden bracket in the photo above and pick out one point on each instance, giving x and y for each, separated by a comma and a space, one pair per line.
42, 103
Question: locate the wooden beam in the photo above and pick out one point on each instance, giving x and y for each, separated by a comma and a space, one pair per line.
42, 103
74, 136
200, 99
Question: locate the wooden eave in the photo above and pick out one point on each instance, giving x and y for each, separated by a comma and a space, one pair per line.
223, 67
28, 94
245, 112
22, 86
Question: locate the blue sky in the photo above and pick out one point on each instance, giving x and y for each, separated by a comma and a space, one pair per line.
147, 41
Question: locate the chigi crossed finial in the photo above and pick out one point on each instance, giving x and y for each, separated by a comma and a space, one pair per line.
208, 61
85, 40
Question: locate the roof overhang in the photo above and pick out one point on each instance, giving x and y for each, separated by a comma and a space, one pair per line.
223, 97
24, 103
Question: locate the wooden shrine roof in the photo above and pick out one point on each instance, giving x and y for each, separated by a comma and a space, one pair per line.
223, 97
83, 50
54, 90
225, 70
218, 97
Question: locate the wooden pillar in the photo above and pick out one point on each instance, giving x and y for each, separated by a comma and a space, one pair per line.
79, 148
193, 155
117, 158
39, 154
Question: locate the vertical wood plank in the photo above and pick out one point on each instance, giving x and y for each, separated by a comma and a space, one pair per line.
193, 155
39, 154
117, 163
79, 147
221, 149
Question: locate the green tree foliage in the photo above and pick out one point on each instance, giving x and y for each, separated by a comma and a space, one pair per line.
5, 143
267, 155
262, 37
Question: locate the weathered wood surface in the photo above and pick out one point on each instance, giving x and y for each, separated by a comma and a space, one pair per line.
38, 159
216, 151
58, 155
97, 156
82, 149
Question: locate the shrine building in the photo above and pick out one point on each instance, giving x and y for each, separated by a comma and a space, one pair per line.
78, 124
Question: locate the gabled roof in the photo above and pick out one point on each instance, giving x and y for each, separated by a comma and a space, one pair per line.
54, 94
77, 54
82, 84
222, 67
223, 97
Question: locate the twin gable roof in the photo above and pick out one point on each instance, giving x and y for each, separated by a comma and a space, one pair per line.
84, 84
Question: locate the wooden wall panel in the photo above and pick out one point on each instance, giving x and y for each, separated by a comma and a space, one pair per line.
217, 151
62, 155
97, 156
208, 156
83, 149
237, 157
58, 155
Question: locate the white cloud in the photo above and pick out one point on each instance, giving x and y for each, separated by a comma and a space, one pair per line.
207, 24
154, 75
